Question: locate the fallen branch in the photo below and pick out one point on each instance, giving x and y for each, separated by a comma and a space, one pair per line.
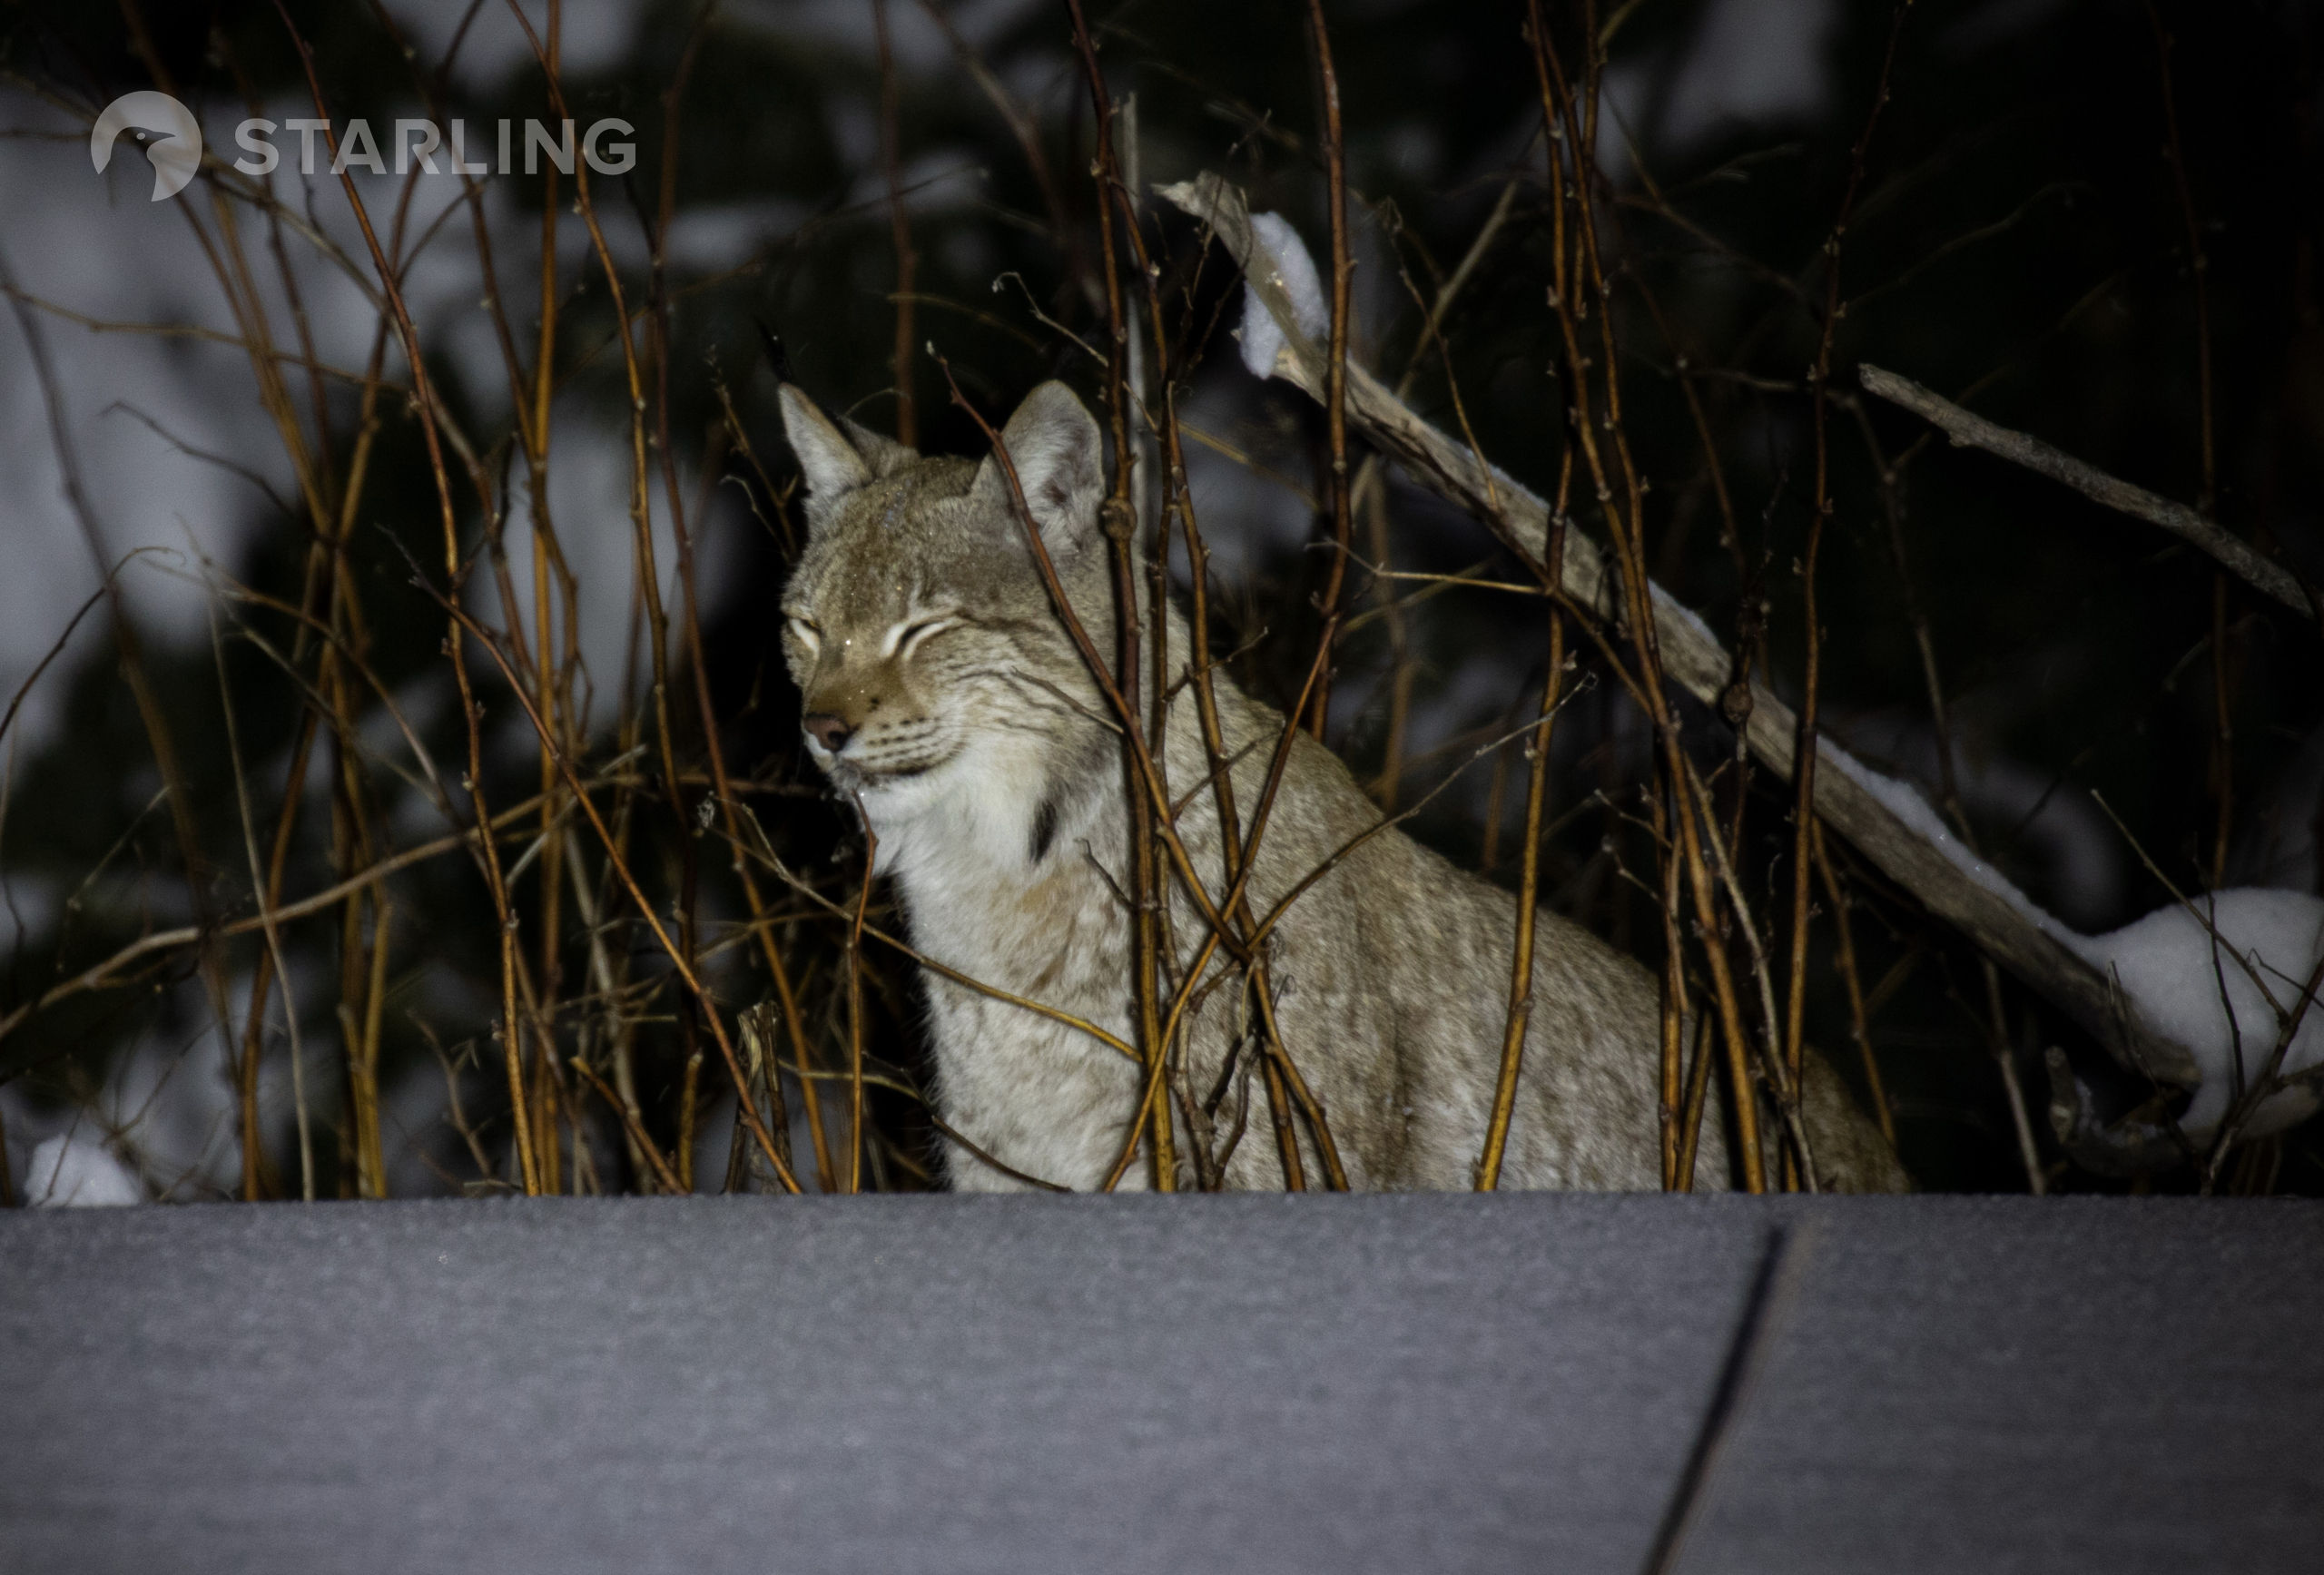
1885, 819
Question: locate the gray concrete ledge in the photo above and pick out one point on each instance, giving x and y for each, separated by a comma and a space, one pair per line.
1251, 1384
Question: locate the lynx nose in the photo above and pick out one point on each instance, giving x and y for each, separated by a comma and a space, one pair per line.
832, 732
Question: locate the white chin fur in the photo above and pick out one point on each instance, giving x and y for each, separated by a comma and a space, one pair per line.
965, 821
898, 807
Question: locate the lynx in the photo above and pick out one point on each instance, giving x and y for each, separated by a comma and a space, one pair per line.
944, 695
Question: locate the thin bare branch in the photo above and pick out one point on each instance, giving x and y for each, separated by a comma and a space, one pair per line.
1968, 429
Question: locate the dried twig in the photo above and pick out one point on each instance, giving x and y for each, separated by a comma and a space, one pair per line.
1335, 366
424, 398
1803, 813
899, 223
1149, 812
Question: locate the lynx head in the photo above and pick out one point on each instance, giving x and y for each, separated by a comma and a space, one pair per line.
918, 628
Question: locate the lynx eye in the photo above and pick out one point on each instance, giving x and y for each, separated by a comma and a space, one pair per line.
904, 637
804, 631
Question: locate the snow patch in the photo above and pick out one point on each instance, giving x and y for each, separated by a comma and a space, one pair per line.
71, 1171
2181, 984
2188, 987
1295, 272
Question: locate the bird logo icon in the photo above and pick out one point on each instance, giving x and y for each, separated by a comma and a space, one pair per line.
163, 126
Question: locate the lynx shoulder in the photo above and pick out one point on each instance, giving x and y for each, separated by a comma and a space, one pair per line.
943, 693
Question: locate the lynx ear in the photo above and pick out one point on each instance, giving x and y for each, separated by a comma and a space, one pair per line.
835, 457
1060, 455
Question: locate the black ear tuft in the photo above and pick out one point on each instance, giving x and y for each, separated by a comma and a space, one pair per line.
778, 357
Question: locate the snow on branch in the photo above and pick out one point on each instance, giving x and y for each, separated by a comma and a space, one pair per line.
1294, 274
2225, 975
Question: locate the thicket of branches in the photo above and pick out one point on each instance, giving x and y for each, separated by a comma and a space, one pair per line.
2092, 222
